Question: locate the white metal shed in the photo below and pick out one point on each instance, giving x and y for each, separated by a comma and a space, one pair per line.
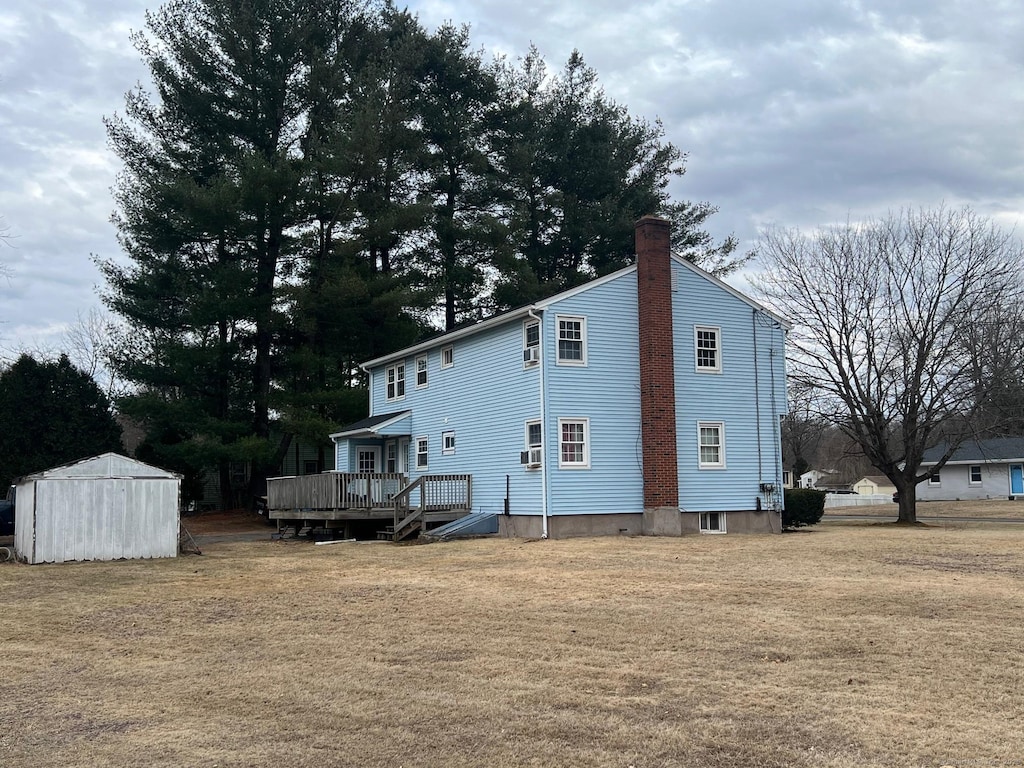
107, 507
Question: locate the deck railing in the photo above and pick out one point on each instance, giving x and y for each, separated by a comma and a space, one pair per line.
430, 493
334, 490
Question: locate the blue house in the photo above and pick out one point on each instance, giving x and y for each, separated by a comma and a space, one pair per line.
646, 401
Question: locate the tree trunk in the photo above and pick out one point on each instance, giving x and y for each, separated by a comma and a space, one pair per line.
908, 502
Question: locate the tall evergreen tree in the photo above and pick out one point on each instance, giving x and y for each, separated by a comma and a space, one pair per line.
51, 413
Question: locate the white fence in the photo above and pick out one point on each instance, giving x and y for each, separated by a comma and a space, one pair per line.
836, 500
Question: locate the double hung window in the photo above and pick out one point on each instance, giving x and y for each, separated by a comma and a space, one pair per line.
711, 444
574, 443
572, 340
395, 381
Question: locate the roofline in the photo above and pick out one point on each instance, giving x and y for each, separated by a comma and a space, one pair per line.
786, 324
371, 430
522, 312
966, 462
492, 322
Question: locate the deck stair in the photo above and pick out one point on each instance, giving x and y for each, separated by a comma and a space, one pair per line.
439, 499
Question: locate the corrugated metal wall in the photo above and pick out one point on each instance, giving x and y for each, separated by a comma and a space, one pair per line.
72, 519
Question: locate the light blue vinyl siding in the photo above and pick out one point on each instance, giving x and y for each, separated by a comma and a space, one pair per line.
485, 398
607, 392
748, 396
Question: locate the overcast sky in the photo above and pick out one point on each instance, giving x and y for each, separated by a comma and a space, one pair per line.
798, 113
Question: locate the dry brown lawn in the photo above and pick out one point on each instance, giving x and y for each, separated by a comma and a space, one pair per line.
985, 508
848, 645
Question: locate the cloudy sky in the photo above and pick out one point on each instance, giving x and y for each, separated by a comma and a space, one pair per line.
793, 112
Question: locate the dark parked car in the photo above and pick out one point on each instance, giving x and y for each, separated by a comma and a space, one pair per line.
7, 514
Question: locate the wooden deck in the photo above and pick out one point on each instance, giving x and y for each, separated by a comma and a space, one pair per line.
387, 497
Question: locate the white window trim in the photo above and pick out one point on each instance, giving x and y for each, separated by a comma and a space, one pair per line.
426, 370
526, 345
722, 527
718, 349
583, 340
448, 351
585, 464
445, 450
721, 464
935, 478
396, 396
426, 454
981, 472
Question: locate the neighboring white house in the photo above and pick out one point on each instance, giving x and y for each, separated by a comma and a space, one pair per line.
874, 485
812, 477
107, 507
980, 469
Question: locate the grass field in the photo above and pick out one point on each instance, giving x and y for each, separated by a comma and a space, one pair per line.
847, 645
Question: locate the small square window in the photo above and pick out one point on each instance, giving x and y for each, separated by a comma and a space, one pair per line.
975, 474
447, 356
421, 372
712, 522
447, 443
421, 453
711, 445
935, 479
706, 343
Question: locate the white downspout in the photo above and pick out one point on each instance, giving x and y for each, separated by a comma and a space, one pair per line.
543, 430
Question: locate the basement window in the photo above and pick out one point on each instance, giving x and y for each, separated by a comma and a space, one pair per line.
712, 522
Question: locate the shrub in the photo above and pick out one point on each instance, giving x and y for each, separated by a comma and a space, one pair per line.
803, 506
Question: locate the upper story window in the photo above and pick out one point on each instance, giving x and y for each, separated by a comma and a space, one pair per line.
531, 342
708, 352
447, 356
447, 443
421, 372
394, 377
711, 444
572, 340
574, 443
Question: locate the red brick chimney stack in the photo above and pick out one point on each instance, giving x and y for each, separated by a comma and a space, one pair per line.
657, 376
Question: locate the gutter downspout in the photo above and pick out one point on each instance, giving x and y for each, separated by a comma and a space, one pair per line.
543, 430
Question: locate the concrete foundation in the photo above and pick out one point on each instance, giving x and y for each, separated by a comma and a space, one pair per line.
664, 522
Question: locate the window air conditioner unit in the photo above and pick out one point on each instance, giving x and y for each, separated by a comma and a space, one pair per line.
531, 355
532, 457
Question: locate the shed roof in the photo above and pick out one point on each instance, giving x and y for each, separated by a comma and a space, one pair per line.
997, 449
104, 465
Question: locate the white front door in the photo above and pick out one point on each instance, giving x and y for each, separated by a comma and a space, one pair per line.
368, 462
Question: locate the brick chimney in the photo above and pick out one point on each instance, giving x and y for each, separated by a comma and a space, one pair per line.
657, 377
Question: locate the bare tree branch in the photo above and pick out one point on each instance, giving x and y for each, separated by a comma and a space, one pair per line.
891, 319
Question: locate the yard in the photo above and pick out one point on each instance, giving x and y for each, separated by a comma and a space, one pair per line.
846, 645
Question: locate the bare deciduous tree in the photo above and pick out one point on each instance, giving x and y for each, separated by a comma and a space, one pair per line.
885, 313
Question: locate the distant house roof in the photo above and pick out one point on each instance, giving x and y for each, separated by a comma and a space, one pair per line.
876, 479
997, 449
374, 425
